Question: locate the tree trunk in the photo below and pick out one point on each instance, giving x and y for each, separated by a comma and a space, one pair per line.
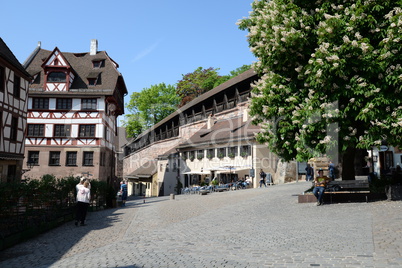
348, 164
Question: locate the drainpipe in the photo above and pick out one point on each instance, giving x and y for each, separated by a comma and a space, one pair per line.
178, 168
252, 163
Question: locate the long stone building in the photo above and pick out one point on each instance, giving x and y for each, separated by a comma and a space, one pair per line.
210, 137
73, 105
14, 82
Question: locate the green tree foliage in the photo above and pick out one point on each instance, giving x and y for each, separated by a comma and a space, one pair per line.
330, 76
239, 70
150, 106
202, 80
134, 124
196, 83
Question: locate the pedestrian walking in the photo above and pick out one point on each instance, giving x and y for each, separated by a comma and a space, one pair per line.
263, 175
124, 193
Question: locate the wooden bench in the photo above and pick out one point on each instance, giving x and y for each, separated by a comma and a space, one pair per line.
351, 189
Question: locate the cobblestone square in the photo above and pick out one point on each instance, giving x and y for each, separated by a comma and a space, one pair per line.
263, 227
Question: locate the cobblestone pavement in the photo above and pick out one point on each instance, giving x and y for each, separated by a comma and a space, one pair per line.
263, 227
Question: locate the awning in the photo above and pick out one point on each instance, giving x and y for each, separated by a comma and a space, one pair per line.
232, 169
216, 169
197, 172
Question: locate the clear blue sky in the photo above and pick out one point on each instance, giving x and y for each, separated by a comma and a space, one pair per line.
155, 41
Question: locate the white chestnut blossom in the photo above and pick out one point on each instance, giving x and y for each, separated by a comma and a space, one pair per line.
364, 74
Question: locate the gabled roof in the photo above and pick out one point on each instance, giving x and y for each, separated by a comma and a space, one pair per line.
225, 131
57, 54
82, 64
7, 55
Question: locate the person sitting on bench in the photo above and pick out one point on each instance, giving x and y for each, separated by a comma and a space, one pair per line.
320, 182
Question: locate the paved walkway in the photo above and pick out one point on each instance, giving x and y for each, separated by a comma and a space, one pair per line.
247, 228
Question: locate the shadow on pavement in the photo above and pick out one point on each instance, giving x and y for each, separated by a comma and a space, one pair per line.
49, 247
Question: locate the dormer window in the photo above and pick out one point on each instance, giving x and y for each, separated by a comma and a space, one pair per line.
98, 63
94, 79
36, 79
56, 77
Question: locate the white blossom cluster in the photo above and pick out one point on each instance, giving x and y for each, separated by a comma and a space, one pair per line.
279, 38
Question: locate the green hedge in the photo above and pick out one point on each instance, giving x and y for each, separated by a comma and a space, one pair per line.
41, 204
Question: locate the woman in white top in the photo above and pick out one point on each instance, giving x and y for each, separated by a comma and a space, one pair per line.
83, 198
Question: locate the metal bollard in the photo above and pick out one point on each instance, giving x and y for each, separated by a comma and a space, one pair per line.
171, 196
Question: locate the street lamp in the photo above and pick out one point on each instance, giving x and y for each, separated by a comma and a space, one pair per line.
30, 163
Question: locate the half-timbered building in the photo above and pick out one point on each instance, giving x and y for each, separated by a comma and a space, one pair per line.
14, 81
74, 101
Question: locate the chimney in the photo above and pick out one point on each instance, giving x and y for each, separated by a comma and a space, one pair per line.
94, 47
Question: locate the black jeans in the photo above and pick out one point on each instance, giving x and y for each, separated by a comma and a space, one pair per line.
81, 213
